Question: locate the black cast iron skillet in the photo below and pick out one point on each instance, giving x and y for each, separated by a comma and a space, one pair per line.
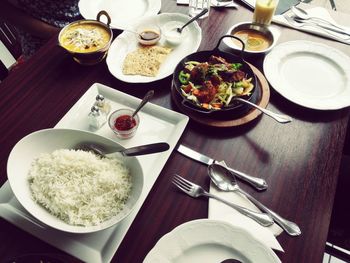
235, 107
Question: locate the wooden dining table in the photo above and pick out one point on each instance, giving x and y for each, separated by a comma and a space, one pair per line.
299, 160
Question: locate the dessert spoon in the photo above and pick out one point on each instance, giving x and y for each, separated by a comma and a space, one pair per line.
278, 117
296, 22
145, 99
302, 14
179, 29
226, 181
133, 151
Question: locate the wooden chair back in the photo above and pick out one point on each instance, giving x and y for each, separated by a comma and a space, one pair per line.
9, 38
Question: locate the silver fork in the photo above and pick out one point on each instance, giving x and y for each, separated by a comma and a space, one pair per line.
195, 190
295, 23
329, 27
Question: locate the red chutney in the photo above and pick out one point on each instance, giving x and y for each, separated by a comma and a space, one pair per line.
124, 123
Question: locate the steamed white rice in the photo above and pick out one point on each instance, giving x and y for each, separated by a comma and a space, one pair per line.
79, 187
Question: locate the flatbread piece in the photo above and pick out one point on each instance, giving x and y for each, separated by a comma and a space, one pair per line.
145, 60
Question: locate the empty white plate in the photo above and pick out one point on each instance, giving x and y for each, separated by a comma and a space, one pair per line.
208, 241
122, 13
310, 74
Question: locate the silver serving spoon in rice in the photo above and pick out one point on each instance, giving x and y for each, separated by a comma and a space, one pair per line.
133, 151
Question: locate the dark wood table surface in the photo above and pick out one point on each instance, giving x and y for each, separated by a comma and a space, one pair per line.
299, 161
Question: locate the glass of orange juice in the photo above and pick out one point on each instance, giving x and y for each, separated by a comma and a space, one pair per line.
264, 11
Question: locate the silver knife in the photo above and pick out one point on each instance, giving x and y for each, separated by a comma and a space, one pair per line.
258, 183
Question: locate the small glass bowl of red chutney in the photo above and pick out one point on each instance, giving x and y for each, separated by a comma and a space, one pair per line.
123, 124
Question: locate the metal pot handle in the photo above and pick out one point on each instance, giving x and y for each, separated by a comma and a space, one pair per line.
224, 36
103, 12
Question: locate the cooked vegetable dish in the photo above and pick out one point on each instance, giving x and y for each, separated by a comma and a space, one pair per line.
212, 85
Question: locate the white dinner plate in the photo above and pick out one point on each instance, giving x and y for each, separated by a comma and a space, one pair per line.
127, 42
208, 241
122, 13
310, 74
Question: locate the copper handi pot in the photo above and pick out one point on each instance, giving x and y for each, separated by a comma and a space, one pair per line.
90, 57
235, 107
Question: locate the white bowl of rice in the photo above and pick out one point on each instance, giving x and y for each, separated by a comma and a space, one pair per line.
72, 190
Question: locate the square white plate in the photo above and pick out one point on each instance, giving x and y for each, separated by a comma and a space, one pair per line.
157, 124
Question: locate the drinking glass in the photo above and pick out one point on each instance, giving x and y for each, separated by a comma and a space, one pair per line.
197, 6
264, 11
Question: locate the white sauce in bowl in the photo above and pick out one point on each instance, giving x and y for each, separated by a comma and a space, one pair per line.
171, 34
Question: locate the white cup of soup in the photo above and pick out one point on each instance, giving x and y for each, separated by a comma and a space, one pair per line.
87, 40
257, 39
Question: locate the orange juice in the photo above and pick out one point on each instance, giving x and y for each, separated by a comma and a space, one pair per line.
264, 11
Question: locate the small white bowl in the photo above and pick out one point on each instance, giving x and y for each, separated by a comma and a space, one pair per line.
123, 133
148, 29
266, 31
170, 33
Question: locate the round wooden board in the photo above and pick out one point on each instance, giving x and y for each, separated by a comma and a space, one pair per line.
249, 116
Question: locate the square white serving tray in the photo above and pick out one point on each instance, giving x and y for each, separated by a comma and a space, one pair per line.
157, 124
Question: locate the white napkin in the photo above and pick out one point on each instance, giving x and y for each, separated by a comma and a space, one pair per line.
219, 211
214, 3
315, 12
250, 3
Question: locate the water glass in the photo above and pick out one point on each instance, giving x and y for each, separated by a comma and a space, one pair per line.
264, 11
197, 6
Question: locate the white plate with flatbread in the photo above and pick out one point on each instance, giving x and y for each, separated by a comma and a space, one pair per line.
127, 42
122, 13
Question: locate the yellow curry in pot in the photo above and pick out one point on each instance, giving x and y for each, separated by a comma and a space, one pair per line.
84, 37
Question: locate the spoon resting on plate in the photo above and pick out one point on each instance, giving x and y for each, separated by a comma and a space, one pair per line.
145, 99
303, 15
173, 31
143, 102
133, 151
179, 29
231, 260
222, 3
226, 181
278, 117
145, 35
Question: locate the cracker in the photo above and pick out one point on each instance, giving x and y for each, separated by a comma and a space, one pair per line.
145, 60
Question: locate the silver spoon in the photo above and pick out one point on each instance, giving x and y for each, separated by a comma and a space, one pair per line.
133, 151
231, 260
226, 181
302, 14
296, 22
145, 99
141, 35
179, 29
329, 30
278, 117
222, 3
